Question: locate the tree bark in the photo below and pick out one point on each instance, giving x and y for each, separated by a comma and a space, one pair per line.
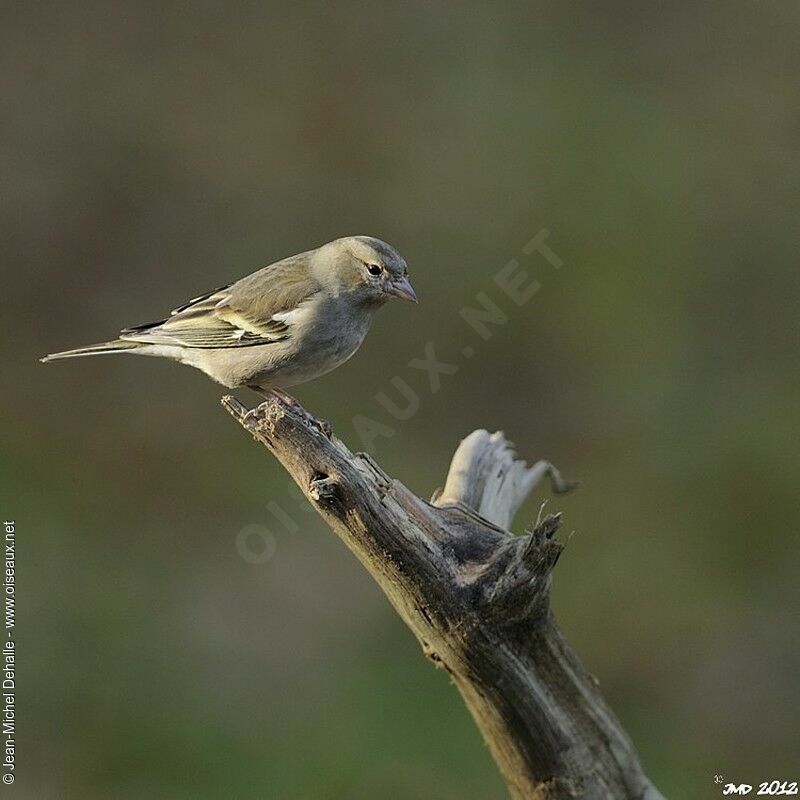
475, 596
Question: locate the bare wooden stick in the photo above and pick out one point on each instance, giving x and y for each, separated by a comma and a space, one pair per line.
475, 596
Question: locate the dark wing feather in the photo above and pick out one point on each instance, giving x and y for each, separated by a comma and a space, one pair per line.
239, 315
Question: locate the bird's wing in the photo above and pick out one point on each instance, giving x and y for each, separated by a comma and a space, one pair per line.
253, 311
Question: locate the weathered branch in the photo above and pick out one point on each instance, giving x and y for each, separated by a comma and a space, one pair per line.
485, 477
476, 597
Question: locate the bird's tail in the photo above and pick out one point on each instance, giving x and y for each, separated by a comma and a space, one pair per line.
117, 346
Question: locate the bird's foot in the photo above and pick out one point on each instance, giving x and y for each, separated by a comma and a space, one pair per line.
324, 427
284, 397
321, 424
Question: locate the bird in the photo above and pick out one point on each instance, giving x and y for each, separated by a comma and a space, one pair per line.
285, 324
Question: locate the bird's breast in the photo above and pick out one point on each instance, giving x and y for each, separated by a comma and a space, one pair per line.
320, 339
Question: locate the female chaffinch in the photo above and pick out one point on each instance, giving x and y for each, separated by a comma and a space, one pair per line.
282, 325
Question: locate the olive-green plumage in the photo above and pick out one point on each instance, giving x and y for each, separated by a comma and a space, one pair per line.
284, 324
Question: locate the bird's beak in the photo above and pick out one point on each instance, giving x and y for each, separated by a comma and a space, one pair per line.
403, 289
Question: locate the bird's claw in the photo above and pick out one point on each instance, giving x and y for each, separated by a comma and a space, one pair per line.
322, 425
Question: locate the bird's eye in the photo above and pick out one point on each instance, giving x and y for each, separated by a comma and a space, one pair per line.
374, 269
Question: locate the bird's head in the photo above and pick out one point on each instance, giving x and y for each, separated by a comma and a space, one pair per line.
366, 268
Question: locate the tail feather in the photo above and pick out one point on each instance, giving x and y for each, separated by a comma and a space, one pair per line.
117, 346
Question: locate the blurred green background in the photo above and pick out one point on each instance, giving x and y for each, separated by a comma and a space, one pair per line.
151, 151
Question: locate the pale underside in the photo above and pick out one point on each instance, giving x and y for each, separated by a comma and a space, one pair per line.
292, 335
